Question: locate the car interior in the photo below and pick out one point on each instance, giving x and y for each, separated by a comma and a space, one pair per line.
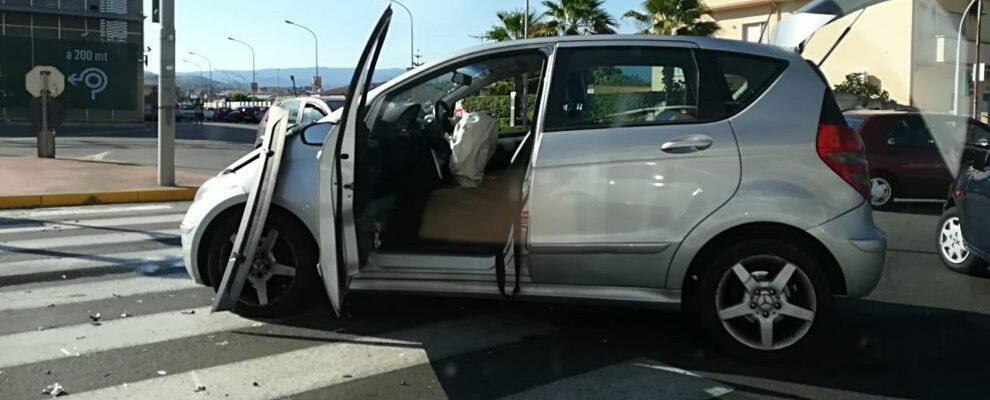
406, 200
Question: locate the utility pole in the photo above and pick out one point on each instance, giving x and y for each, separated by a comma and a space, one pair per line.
526, 22
209, 65
166, 96
317, 82
254, 80
977, 65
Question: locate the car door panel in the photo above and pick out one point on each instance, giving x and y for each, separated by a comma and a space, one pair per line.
608, 206
976, 203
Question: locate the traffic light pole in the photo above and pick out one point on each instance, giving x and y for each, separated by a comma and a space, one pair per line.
166, 97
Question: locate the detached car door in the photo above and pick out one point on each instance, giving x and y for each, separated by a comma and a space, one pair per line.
628, 163
975, 207
338, 243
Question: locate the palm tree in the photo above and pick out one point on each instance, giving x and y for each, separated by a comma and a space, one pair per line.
511, 26
578, 17
673, 17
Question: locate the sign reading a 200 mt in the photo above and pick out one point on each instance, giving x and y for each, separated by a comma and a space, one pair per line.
98, 75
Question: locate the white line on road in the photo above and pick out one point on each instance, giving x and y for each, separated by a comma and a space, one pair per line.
13, 298
88, 240
34, 226
153, 259
85, 210
30, 347
96, 157
331, 364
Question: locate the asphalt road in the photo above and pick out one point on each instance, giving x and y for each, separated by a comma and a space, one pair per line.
203, 149
922, 334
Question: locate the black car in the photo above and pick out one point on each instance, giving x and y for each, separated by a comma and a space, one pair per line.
963, 236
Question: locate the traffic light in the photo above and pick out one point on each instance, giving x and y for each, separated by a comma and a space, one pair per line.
156, 11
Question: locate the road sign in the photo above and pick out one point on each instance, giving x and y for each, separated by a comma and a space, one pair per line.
99, 75
44, 77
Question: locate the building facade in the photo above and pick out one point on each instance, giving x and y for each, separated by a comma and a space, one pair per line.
907, 47
98, 45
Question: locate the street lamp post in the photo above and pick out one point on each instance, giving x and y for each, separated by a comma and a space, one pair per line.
200, 75
955, 81
317, 82
254, 80
412, 57
210, 65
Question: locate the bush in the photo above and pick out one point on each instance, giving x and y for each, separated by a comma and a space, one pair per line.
498, 106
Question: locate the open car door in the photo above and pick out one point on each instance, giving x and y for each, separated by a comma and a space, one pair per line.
338, 238
794, 31
255, 211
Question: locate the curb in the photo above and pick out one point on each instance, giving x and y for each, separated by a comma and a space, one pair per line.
92, 198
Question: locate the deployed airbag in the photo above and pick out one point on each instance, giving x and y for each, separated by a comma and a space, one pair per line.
471, 146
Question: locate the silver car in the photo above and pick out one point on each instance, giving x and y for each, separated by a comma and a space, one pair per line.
718, 175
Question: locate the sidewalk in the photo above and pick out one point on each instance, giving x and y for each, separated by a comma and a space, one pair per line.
37, 182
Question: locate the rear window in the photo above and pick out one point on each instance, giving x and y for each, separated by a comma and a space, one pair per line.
747, 76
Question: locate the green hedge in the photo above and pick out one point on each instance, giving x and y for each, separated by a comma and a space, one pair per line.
601, 105
499, 107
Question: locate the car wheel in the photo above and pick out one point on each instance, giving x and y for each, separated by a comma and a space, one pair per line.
283, 274
881, 192
951, 247
763, 299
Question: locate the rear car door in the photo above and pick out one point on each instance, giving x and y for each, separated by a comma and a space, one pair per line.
630, 159
338, 239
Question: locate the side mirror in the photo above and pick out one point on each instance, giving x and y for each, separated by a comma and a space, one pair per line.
314, 134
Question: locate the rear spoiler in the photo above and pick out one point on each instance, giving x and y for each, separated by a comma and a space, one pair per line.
794, 31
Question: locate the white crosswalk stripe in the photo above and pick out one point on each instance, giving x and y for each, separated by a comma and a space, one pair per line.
167, 258
86, 339
63, 225
89, 240
13, 298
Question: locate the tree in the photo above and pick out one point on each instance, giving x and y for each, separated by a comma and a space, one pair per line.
511, 24
868, 92
577, 17
673, 17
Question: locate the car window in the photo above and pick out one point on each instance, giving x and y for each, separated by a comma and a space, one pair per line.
292, 106
617, 86
910, 132
311, 114
747, 76
500, 98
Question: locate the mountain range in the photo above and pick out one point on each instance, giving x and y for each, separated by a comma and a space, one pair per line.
272, 77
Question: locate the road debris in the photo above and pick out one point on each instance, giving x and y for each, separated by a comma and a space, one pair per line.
188, 312
124, 314
54, 390
95, 316
403, 383
348, 376
255, 384
162, 372
223, 343
200, 388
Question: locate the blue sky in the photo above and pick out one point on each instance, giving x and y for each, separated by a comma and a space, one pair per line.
441, 27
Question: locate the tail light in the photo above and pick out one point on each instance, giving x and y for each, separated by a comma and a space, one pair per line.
843, 151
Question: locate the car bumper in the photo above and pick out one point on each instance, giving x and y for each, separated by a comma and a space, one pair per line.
859, 247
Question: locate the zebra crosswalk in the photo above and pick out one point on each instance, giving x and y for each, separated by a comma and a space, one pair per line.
96, 299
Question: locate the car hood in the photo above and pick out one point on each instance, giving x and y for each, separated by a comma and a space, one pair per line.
793, 31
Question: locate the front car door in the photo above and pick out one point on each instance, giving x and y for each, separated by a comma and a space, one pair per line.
975, 207
338, 244
629, 161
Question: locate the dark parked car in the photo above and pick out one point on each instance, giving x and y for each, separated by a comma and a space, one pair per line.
963, 236
905, 159
245, 114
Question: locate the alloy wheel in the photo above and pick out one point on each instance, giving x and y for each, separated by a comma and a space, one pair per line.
764, 312
950, 241
272, 272
881, 191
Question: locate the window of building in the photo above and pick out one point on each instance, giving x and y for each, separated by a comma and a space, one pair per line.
754, 32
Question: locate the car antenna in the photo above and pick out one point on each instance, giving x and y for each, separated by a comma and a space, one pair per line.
841, 37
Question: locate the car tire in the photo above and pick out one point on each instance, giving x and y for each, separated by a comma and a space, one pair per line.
734, 316
951, 247
882, 192
293, 247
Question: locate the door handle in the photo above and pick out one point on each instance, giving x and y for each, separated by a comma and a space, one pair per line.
687, 144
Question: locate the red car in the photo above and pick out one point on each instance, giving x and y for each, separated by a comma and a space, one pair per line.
906, 160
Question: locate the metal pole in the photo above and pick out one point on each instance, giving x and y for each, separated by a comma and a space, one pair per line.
254, 80
200, 67
955, 80
166, 96
210, 64
316, 42
46, 140
976, 76
412, 57
526, 21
